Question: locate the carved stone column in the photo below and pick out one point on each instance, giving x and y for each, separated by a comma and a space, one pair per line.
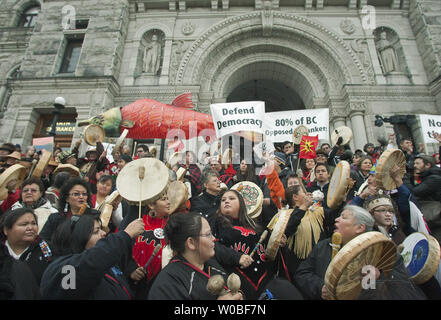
166, 61
337, 117
374, 59
3, 90
356, 111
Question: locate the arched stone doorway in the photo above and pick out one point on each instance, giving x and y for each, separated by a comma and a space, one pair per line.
284, 49
272, 82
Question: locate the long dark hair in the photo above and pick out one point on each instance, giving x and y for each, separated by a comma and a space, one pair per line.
249, 174
65, 189
180, 226
10, 217
289, 192
73, 234
244, 220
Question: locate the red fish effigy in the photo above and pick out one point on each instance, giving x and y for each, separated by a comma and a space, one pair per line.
150, 119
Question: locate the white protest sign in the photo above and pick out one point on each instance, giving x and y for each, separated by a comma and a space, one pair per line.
265, 146
430, 123
109, 148
238, 116
279, 126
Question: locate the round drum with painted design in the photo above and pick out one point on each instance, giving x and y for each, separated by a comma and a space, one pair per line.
421, 255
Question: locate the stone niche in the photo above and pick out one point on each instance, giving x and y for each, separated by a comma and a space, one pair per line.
150, 58
391, 56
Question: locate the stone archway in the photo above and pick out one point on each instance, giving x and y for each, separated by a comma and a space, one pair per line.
275, 83
300, 53
314, 55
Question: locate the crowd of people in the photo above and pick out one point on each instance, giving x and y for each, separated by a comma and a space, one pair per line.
51, 227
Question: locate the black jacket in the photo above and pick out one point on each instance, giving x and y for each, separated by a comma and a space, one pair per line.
310, 275
235, 241
206, 204
37, 256
430, 186
96, 272
179, 281
16, 279
292, 260
55, 220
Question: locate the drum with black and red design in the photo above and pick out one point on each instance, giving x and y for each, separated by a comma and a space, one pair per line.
243, 240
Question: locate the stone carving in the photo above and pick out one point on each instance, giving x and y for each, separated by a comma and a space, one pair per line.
178, 50
357, 106
387, 55
19, 132
360, 46
267, 19
347, 26
188, 28
152, 56
338, 113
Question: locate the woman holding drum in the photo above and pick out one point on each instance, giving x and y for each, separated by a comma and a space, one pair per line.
143, 183
155, 219
360, 175
238, 237
104, 189
187, 274
308, 224
383, 210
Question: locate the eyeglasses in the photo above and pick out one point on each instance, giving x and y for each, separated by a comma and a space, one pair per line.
385, 210
78, 194
208, 235
30, 190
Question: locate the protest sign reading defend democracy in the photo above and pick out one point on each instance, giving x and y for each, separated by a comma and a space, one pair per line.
238, 116
279, 126
430, 123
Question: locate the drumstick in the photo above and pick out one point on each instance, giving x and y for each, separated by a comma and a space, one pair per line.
155, 251
336, 243
34, 163
141, 177
262, 238
82, 209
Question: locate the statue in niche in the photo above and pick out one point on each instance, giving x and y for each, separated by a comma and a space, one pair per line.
152, 56
387, 54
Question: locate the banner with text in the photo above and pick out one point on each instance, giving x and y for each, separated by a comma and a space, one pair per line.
430, 123
279, 126
238, 116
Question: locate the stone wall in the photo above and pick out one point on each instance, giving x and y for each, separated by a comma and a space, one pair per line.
211, 47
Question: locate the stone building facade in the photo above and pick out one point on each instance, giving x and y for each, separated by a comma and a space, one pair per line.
359, 58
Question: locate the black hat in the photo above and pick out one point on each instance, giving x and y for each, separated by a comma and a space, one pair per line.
368, 145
